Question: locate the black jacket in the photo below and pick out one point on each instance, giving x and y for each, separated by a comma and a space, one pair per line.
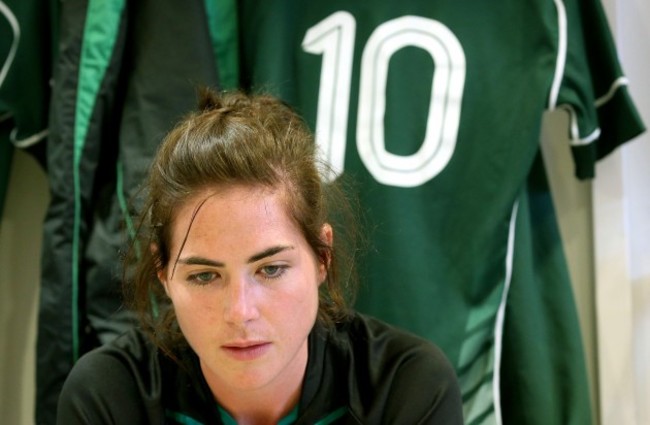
364, 372
125, 72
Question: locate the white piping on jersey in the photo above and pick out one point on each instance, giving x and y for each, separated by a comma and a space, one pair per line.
28, 141
619, 82
557, 82
573, 117
15, 27
575, 139
561, 53
501, 314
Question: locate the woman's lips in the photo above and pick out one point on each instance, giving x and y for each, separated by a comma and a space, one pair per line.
246, 351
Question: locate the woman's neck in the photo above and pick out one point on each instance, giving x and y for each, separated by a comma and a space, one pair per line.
259, 411
267, 404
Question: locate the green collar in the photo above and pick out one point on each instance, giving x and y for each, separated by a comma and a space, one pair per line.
287, 420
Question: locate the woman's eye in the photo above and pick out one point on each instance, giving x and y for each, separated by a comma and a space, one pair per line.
273, 271
202, 278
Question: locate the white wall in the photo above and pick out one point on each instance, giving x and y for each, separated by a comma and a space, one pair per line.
20, 253
573, 205
622, 239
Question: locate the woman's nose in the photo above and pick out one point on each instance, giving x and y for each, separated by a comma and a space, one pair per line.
240, 304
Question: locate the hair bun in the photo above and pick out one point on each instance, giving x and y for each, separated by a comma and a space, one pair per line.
209, 99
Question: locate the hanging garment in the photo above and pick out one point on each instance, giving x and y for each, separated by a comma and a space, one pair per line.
28, 37
126, 72
435, 109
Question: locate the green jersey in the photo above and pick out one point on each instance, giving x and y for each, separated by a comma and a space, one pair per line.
435, 109
27, 40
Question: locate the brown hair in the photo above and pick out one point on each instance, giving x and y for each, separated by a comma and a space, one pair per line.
236, 138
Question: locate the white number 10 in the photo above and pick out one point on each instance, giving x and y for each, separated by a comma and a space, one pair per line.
333, 37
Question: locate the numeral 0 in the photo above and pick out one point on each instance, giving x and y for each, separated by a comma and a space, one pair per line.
333, 37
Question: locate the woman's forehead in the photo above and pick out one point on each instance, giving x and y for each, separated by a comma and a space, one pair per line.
231, 204
234, 222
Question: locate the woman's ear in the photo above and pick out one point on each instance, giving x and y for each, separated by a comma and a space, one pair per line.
327, 236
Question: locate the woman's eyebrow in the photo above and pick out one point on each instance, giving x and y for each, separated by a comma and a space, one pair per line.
200, 261
196, 260
269, 252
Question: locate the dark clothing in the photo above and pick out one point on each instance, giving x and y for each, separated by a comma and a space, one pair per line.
126, 71
364, 372
28, 36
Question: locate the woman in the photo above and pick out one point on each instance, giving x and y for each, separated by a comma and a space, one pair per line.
243, 297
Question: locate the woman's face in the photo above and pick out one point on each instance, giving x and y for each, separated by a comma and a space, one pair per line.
244, 288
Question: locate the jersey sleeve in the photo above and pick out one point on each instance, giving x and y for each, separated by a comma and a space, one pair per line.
100, 390
589, 83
